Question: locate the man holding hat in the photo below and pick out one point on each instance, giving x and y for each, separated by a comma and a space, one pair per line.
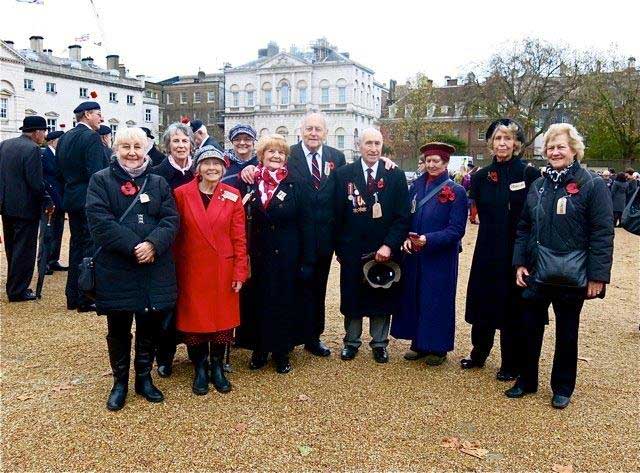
201, 135
22, 193
55, 188
372, 221
80, 155
154, 153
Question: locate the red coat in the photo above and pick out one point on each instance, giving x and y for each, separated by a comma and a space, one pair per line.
210, 253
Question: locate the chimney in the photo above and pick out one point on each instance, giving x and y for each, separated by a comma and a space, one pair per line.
452, 82
201, 75
112, 61
122, 70
272, 49
75, 51
632, 62
9, 43
36, 43
262, 53
345, 55
87, 61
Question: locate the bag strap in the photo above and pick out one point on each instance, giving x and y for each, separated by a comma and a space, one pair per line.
430, 195
126, 212
539, 203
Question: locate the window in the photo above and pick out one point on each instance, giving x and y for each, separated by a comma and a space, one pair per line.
267, 97
211, 96
303, 96
324, 92
444, 109
249, 98
545, 106
482, 135
4, 104
235, 99
284, 93
84, 93
130, 100
51, 124
114, 129
183, 97
28, 84
51, 87
479, 156
211, 118
113, 97
340, 138
147, 115
342, 95
197, 97
167, 98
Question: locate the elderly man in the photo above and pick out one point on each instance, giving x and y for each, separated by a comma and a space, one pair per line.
606, 176
372, 220
22, 192
80, 155
154, 153
201, 135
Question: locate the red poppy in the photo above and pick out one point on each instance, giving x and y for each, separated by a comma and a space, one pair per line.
331, 165
129, 188
572, 188
185, 120
493, 176
446, 195
381, 183
93, 94
62, 125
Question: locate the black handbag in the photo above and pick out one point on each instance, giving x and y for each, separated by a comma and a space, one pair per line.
558, 268
630, 220
87, 268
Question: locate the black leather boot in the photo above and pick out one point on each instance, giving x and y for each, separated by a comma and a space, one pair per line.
119, 358
198, 355
142, 363
219, 380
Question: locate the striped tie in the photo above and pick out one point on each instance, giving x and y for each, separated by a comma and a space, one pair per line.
315, 170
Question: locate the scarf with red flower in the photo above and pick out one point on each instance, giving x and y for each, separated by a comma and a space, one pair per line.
268, 182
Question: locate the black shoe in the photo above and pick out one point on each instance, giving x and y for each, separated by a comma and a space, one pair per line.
503, 375
198, 355
27, 295
86, 308
119, 358
217, 376
283, 365
413, 355
467, 363
348, 353
48, 272
560, 402
164, 371
145, 387
71, 306
258, 360
380, 355
317, 348
516, 392
56, 266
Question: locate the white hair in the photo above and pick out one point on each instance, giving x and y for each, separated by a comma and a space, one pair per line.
132, 133
320, 115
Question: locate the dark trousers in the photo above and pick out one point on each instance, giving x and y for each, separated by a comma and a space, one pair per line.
147, 323
510, 344
80, 246
565, 357
54, 244
617, 219
167, 341
316, 292
20, 242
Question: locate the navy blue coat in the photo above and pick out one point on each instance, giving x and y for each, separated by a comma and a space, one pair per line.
50, 173
427, 310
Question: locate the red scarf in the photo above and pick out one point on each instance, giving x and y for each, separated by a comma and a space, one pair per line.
268, 182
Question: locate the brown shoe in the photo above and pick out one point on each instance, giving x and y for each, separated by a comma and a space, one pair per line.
414, 355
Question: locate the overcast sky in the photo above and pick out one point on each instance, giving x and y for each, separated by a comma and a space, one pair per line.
396, 38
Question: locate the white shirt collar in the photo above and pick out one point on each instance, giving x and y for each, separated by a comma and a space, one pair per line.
307, 153
365, 167
83, 123
53, 150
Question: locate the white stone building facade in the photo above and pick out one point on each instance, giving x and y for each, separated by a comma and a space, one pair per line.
274, 92
11, 91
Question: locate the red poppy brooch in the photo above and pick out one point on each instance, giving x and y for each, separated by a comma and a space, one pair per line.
493, 176
381, 183
446, 195
572, 188
129, 188
332, 166
93, 94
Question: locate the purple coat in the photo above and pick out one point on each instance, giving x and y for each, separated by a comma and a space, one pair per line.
427, 313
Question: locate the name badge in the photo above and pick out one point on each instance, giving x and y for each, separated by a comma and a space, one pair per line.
230, 195
376, 210
516, 186
561, 208
281, 195
144, 198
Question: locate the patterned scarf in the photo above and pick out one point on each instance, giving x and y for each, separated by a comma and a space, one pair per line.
233, 157
556, 176
135, 172
268, 182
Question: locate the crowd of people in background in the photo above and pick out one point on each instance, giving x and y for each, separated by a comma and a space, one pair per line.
216, 248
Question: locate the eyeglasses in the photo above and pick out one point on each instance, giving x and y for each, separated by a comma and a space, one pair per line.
242, 140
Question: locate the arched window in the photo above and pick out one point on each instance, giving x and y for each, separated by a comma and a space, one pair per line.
264, 132
266, 93
340, 134
324, 92
285, 93
342, 90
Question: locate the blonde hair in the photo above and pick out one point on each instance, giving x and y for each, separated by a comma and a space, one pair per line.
132, 133
271, 141
576, 142
512, 129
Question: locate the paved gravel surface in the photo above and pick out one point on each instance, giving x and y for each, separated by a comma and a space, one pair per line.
327, 415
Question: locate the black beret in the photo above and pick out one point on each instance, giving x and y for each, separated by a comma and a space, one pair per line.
147, 131
87, 107
196, 125
104, 130
506, 122
33, 123
54, 135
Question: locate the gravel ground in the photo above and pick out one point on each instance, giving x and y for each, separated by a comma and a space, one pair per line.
327, 415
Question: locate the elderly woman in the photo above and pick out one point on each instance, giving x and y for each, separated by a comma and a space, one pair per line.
619, 191
281, 248
176, 168
563, 255
241, 155
133, 219
498, 192
211, 262
430, 272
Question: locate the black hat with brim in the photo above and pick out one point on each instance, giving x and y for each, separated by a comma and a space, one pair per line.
506, 122
381, 274
33, 123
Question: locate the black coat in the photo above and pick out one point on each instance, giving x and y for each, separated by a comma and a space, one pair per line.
80, 155
358, 234
50, 173
280, 242
22, 188
212, 142
174, 177
156, 156
619, 191
121, 283
492, 293
322, 199
587, 223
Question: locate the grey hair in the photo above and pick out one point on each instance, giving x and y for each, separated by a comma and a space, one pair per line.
309, 115
370, 129
172, 130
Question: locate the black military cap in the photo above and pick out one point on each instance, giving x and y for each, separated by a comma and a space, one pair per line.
87, 107
54, 135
